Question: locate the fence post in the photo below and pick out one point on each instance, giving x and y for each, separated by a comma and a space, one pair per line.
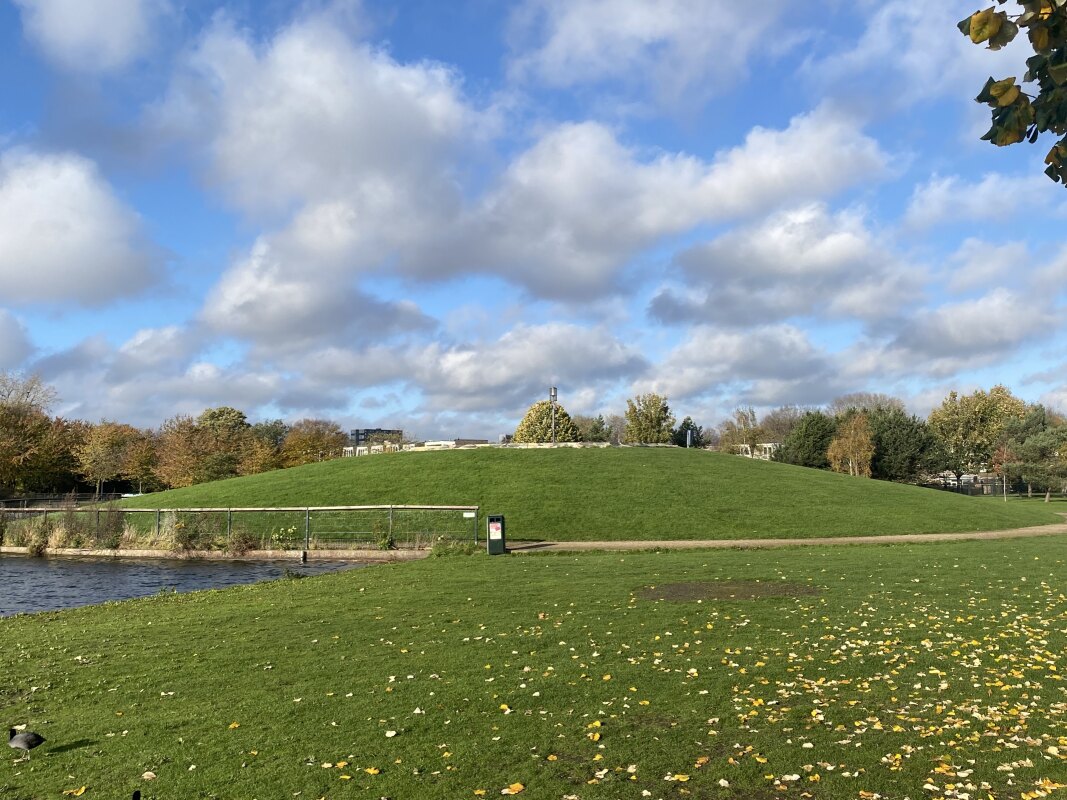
157, 525
98, 522
229, 523
390, 522
307, 529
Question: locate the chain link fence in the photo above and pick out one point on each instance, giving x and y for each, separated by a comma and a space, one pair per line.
238, 530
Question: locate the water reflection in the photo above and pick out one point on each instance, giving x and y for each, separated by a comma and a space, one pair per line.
48, 584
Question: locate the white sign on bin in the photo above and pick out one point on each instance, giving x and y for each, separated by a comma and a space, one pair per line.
469, 515
496, 530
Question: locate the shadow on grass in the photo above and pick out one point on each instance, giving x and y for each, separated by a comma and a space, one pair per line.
76, 745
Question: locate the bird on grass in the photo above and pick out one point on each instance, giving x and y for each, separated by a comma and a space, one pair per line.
25, 741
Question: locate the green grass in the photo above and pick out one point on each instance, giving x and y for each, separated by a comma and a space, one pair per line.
905, 666
621, 493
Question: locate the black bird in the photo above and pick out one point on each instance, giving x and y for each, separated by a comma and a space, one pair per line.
24, 741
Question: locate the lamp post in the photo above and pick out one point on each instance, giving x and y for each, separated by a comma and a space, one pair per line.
552, 400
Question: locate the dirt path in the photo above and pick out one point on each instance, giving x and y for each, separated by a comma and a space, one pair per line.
743, 544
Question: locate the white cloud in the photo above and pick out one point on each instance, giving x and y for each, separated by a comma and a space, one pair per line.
65, 236
311, 116
92, 35
952, 338
766, 365
911, 52
978, 264
570, 212
799, 262
287, 304
15, 345
677, 50
991, 198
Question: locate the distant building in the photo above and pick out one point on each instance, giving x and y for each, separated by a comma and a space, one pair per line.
764, 451
361, 436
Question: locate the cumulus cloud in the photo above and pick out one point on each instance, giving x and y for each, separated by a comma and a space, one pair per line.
978, 264
65, 236
955, 199
286, 305
673, 49
969, 334
15, 345
912, 53
800, 262
570, 212
767, 365
311, 116
482, 376
98, 36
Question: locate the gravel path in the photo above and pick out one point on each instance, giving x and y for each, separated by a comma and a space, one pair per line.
743, 544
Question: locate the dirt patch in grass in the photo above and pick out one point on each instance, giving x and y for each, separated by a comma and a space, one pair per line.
691, 591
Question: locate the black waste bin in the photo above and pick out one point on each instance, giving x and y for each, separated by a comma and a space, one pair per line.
495, 542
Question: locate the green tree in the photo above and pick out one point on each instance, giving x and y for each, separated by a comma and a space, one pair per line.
969, 427
851, 450
648, 420
680, 436
591, 429
1033, 447
536, 425
1018, 114
905, 449
808, 442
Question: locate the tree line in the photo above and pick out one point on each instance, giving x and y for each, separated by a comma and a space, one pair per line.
862, 434
41, 453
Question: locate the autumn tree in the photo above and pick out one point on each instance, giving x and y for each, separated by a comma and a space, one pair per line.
616, 428
25, 426
102, 453
969, 427
648, 420
688, 434
740, 431
312, 440
140, 460
1018, 114
852, 448
183, 449
536, 425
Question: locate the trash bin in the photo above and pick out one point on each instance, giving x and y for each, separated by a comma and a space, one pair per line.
495, 543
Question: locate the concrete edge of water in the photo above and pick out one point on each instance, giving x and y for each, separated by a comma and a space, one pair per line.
251, 555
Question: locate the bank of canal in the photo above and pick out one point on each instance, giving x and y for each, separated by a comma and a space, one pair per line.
30, 584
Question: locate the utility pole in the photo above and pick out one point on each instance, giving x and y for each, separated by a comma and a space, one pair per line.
552, 400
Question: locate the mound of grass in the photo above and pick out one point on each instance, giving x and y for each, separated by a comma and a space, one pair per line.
870, 671
619, 494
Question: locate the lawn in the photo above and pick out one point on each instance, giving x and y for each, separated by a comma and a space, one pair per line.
875, 671
620, 493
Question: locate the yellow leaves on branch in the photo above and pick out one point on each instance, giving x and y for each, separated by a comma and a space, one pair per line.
986, 24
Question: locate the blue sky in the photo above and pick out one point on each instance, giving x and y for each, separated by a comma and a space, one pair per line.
423, 214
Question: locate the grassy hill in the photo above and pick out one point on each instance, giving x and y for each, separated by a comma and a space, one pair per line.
619, 493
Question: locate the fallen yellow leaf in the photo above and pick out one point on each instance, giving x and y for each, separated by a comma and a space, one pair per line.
515, 788
75, 792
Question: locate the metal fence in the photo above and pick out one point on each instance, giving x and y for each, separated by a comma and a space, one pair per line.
239, 529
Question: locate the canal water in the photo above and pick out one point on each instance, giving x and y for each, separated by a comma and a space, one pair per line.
48, 584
